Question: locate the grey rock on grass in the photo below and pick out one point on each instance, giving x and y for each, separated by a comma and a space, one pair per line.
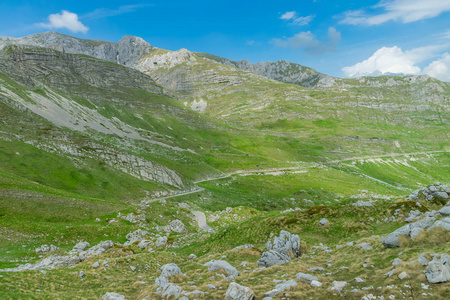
239, 292
437, 273
215, 265
306, 277
338, 286
272, 257
113, 296
161, 241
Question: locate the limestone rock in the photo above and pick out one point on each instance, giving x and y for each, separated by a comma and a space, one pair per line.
81, 246
215, 265
238, 292
444, 223
403, 275
170, 270
338, 286
171, 291
306, 277
145, 243
272, 257
177, 226
445, 211
46, 248
136, 236
113, 296
316, 283
437, 273
286, 241
161, 241
323, 222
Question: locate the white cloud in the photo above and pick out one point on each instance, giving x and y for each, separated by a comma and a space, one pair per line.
309, 42
106, 12
295, 19
439, 68
394, 60
288, 15
405, 11
65, 19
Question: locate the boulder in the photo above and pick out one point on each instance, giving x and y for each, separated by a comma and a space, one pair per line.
136, 236
403, 275
287, 241
323, 222
161, 241
397, 261
445, 211
100, 248
170, 270
306, 277
81, 246
171, 291
423, 260
273, 257
113, 296
338, 286
392, 239
238, 292
145, 243
365, 246
444, 223
215, 265
177, 226
316, 283
437, 273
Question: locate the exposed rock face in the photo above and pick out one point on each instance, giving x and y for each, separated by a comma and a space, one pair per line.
127, 52
166, 60
436, 272
215, 265
281, 70
238, 292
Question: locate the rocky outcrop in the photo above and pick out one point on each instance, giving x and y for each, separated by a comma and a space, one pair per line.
113, 296
46, 248
136, 236
280, 250
392, 239
432, 192
167, 289
76, 255
437, 273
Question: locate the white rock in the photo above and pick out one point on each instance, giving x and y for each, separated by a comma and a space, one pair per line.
239, 292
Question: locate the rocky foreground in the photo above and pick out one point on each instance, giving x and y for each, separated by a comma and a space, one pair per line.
287, 267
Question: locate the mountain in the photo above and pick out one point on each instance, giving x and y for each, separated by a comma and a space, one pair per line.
283, 71
150, 155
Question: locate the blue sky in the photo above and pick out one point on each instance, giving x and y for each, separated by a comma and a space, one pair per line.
341, 38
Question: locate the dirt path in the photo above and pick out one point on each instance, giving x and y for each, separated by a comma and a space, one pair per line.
201, 220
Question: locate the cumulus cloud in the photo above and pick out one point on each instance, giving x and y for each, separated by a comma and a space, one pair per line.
296, 19
309, 42
439, 68
65, 19
393, 60
405, 11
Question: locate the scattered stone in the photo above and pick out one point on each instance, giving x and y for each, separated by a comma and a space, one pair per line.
316, 269
222, 264
81, 274
403, 275
171, 290
145, 243
323, 222
359, 280
95, 265
136, 236
211, 286
365, 246
423, 260
46, 248
81, 246
437, 273
445, 211
286, 241
238, 292
246, 246
161, 241
192, 256
178, 226
397, 261
316, 283
308, 278
444, 223
279, 288
338, 286
170, 270
362, 203
184, 205
113, 296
